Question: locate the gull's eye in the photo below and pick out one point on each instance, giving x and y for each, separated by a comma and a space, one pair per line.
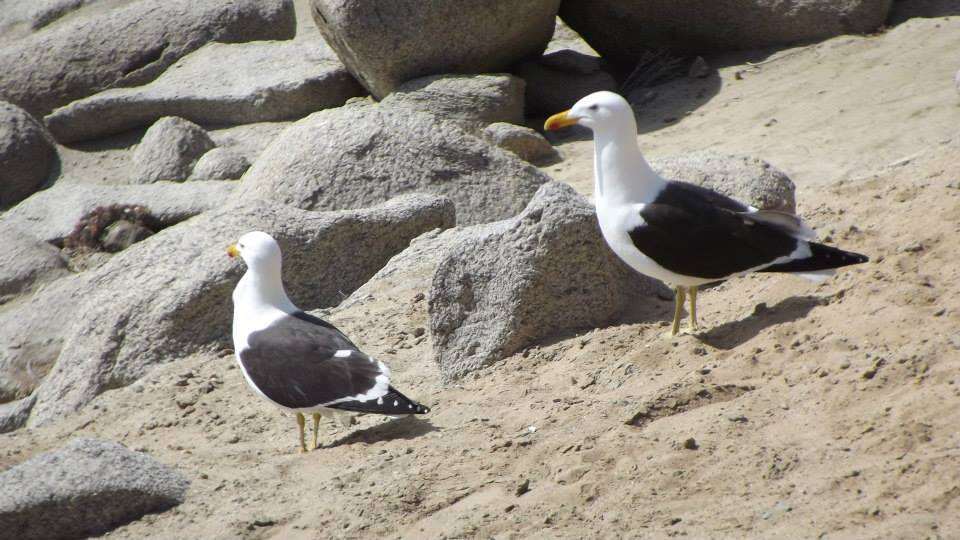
240, 246
593, 107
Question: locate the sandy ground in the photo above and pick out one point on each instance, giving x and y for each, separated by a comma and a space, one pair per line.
824, 411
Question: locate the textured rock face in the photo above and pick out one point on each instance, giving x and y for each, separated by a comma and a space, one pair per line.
220, 164
87, 487
217, 84
14, 414
169, 295
558, 80
51, 214
413, 38
25, 261
624, 29
545, 271
360, 155
169, 150
27, 155
128, 46
472, 101
526, 143
747, 179
19, 19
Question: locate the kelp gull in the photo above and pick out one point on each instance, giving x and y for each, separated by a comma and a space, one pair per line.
680, 233
296, 361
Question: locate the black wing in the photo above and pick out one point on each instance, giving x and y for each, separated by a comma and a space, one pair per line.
696, 232
302, 361
681, 193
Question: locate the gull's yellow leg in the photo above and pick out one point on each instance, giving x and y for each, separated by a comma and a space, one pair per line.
316, 427
679, 297
693, 308
303, 439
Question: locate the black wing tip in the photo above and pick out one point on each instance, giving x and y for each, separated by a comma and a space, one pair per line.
394, 403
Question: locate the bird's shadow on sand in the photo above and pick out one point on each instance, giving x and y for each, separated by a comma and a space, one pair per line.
405, 428
735, 333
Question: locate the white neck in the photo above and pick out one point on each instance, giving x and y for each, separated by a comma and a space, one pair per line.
621, 174
262, 288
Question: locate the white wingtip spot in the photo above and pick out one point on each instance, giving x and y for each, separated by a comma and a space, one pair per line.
380, 401
343, 353
395, 403
409, 406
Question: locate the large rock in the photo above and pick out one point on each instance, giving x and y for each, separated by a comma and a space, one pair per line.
217, 84
169, 150
19, 18
472, 101
545, 272
557, 80
220, 164
51, 214
32, 330
27, 154
85, 488
128, 46
747, 179
406, 39
25, 261
623, 30
169, 295
360, 155
526, 143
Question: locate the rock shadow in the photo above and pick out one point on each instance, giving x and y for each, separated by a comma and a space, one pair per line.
732, 334
904, 11
405, 428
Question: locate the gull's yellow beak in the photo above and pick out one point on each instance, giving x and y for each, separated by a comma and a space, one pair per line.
559, 120
232, 251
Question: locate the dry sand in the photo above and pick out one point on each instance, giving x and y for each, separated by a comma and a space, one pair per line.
815, 411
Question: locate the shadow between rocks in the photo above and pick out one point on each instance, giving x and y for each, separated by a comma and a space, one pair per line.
904, 10
406, 428
732, 334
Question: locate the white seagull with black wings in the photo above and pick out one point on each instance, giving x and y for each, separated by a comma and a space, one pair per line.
296, 361
680, 233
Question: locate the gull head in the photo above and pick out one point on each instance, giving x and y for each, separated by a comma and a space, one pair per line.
600, 111
257, 249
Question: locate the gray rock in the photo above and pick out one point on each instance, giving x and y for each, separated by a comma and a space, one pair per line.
26, 261
472, 101
545, 272
85, 488
558, 80
410, 272
32, 331
623, 30
169, 150
413, 38
522, 141
169, 295
51, 214
14, 414
217, 84
360, 155
122, 234
565, 37
27, 155
128, 46
220, 164
746, 179
19, 19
